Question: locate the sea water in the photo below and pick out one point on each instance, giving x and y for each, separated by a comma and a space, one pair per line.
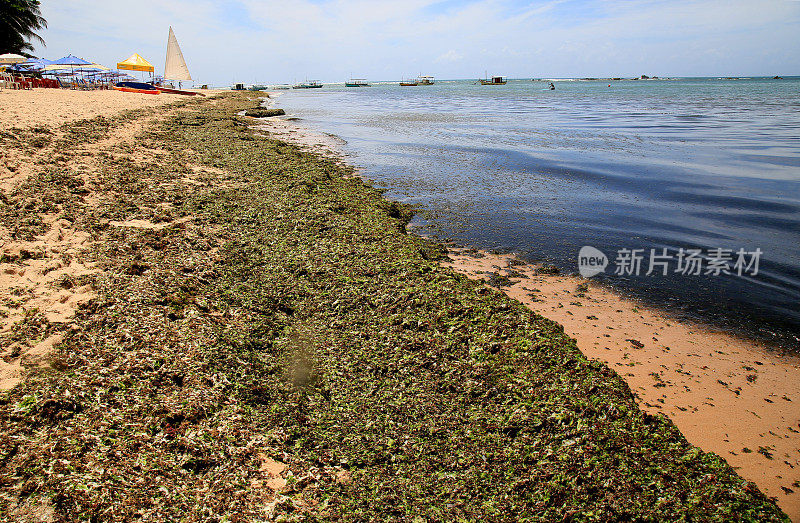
705, 168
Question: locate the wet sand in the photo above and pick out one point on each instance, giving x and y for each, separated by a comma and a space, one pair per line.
728, 395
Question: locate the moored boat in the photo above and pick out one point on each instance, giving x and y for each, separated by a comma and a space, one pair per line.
494, 80
170, 90
175, 67
308, 85
357, 82
426, 80
136, 87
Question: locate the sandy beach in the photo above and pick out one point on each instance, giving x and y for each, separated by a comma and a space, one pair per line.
190, 319
44, 272
727, 394
54, 107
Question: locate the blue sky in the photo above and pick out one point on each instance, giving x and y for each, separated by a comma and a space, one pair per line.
277, 41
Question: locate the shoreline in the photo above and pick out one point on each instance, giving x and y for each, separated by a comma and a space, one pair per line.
726, 393
759, 438
265, 339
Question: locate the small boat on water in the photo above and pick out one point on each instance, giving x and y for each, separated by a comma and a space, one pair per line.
494, 80
408, 83
357, 82
308, 85
426, 80
136, 87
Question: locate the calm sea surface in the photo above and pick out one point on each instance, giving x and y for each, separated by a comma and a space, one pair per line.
685, 164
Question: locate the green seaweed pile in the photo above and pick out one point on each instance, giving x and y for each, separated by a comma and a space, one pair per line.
263, 112
283, 314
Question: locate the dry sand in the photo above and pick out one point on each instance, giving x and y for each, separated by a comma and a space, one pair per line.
726, 394
53, 107
39, 276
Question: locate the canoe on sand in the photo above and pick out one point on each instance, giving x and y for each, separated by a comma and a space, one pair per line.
136, 87
178, 91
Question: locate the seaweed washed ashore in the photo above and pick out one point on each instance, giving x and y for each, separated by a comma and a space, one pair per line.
265, 341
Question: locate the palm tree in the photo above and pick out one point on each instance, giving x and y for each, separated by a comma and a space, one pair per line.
19, 19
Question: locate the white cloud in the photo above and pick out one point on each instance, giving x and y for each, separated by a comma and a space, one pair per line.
449, 56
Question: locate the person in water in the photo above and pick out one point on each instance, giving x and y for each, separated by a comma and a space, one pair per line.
552, 87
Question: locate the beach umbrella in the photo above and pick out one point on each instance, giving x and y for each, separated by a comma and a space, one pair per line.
11, 58
71, 60
34, 64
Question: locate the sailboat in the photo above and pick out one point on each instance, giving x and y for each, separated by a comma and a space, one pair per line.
175, 67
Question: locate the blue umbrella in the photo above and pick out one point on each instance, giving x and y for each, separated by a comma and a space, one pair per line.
33, 64
70, 60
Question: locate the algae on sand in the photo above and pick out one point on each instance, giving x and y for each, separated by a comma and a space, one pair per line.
291, 320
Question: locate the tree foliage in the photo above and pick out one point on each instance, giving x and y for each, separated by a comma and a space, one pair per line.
19, 21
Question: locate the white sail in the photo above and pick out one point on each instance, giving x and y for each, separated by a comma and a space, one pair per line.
175, 68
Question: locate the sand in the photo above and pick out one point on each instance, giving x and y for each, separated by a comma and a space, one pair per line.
726, 394
53, 107
39, 276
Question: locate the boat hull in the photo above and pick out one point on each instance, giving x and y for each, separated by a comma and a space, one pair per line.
178, 91
136, 90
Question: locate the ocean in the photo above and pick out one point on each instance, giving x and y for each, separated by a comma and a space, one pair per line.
686, 192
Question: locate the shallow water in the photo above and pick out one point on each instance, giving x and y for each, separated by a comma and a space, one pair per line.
684, 164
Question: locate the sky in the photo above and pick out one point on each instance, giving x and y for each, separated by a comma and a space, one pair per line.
283, 41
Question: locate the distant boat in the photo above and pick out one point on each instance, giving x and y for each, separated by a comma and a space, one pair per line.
357, 82
257, 87
175, 67
426, 80
408, 83
494, 80
308, 85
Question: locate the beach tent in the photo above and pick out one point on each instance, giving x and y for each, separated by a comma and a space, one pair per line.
11, 58
136, 63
